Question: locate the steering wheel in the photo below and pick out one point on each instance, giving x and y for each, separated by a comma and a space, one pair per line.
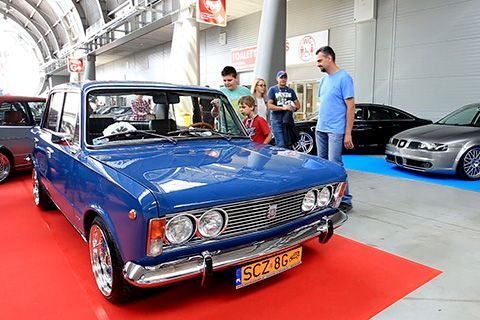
202, 124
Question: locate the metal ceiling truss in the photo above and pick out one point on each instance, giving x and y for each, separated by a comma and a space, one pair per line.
37, 35
36, 17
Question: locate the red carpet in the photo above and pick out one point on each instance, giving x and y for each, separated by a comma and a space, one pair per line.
46, 275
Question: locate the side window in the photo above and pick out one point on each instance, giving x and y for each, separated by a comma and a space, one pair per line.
71, 109
379, 114
401, 116
13, 114
54, 110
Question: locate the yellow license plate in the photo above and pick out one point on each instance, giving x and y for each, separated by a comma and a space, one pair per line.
262, 269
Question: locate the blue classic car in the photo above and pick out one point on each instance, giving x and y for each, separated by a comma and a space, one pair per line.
178, 190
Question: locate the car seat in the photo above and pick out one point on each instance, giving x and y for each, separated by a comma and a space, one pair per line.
11, 117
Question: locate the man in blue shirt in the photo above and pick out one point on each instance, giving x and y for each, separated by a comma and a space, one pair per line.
281, 99
336, 113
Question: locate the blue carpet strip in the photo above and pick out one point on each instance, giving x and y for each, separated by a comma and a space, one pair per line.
378, 165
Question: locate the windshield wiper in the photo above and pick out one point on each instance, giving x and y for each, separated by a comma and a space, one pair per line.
134, 132
202, 133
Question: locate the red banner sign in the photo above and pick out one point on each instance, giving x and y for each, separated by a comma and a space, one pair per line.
75, 65
212, 12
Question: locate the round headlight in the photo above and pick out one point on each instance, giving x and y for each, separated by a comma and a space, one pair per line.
324, 197
309, 201
212, 223
180, 229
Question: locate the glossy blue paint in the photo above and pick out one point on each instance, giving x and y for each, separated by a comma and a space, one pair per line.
163, 178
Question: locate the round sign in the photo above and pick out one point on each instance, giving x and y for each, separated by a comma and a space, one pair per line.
306, 48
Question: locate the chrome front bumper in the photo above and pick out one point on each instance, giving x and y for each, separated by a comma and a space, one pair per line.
207, 262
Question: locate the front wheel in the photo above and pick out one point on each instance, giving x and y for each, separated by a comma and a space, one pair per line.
469, 165
5, 166
305, 144
107, 264
40, 196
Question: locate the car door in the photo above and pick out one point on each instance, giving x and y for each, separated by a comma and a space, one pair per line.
56, 147
15, 125
360, 127
381, 123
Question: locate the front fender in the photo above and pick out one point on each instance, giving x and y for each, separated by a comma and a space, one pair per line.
111, 195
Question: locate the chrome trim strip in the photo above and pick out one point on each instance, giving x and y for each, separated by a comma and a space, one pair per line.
189, 267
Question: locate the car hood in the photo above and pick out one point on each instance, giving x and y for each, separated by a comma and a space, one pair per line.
201, 174
439, 133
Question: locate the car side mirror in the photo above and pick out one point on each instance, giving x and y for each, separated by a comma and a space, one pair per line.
64, 139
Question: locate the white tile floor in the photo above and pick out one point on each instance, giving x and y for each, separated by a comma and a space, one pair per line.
431, 224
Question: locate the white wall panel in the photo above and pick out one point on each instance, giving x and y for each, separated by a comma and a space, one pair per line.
303, 16
427, 59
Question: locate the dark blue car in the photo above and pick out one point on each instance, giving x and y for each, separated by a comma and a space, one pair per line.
177, 190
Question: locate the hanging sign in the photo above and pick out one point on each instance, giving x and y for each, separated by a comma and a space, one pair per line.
212, 12
75, 65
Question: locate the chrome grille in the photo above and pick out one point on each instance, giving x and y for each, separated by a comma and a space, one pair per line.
251, 216
414, 145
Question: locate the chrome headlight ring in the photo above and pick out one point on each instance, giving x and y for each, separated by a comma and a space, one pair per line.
324, 197
180, 229
309, 202
214, 215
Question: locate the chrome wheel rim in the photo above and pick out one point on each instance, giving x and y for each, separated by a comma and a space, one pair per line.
304, 144
36, 188
471, 163
4, 167
100, 259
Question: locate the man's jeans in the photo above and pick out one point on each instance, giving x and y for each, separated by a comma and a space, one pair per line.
330, 147
277, 131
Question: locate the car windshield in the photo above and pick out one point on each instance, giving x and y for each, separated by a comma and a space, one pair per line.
466, 116
139, 116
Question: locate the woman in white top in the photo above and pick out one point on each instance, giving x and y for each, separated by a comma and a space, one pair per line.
259, 92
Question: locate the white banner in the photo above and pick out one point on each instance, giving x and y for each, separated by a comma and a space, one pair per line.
301, 49
298, 50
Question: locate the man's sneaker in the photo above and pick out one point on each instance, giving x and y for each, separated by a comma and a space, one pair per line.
345, 207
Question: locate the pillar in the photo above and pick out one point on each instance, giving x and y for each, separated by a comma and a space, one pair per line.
271, 40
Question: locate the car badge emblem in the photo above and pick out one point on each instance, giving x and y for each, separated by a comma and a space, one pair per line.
272, 211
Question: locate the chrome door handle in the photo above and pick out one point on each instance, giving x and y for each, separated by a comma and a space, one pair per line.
49, 152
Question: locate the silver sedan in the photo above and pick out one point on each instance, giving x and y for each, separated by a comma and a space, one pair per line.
451, 145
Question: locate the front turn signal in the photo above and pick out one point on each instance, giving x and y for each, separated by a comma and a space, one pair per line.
156, 235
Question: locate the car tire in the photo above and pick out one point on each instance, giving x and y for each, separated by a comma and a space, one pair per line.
6, 166
107, 264
469, 165
305, 144
40, 196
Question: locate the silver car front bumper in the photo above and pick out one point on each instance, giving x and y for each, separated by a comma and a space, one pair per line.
423, 160
207, 262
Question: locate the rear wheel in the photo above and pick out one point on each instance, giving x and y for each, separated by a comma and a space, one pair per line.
107, 264
5, 166
305, 144
40, 196
469, 165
